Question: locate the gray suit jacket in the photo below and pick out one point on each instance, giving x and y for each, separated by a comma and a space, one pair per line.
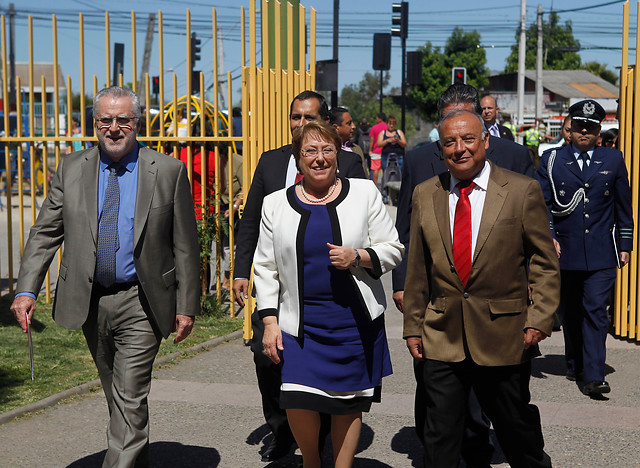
166, 251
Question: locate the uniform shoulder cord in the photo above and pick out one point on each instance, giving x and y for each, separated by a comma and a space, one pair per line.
563, 210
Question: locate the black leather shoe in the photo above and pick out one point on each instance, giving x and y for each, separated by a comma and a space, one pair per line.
276, 450
596, 388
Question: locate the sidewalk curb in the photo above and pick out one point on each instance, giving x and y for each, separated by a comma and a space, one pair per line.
85, 388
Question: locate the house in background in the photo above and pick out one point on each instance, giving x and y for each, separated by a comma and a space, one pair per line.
40, 69
561, 89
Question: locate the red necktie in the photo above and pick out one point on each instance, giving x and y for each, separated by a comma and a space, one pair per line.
462, 237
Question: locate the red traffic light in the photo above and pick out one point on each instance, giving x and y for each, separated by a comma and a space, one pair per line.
458, 75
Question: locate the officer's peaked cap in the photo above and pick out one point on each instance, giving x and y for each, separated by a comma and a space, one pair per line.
588, 110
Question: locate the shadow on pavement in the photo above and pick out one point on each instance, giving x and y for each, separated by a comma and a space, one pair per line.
406, 441
552, 364
555, 364
165, 455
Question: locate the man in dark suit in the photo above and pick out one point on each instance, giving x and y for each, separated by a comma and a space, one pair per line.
586, 189
422, 164
426, 161
276, 170
129, 273
467, 311
489, 114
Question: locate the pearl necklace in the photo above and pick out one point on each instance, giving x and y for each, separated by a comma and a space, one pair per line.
318, 200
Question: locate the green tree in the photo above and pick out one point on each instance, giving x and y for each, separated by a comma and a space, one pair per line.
602, 71
363, 101
559, 47
462, 49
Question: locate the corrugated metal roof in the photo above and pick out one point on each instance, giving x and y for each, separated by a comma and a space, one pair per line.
575, 84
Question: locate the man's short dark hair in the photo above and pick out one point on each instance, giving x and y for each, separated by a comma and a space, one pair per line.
337, 115
304, 95
382, 116
459, 93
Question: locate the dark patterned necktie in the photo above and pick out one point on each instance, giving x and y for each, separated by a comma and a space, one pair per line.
585, 160
462, 233
108, 241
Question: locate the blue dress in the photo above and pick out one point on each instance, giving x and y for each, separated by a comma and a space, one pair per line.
338, 364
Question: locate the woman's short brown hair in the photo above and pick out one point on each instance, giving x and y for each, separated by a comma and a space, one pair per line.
318, 128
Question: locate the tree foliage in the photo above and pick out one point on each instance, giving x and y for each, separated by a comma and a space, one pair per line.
462, 49
559, 47
602, 71
363, 101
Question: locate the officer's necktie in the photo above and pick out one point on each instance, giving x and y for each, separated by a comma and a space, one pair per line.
585, 160
493, 130
108, 242
462, 236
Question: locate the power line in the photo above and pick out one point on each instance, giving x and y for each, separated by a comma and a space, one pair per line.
589, 7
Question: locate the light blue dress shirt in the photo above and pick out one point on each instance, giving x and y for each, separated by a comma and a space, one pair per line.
128, 183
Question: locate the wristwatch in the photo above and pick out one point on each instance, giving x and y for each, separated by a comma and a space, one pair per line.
357, 258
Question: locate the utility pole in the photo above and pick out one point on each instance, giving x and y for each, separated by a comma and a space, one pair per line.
146, 57
381, 86
521, 56
12, 57
336, 22
400, 28
539, 83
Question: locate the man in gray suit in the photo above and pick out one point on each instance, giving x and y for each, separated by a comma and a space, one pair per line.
129, 274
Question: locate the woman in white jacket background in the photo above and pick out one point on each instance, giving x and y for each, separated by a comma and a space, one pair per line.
324, 243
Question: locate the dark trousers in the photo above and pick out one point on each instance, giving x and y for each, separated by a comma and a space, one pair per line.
503, 393
123, 344
477, 448
269, 381
585, 295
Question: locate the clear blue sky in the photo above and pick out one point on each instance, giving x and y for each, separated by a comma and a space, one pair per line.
599, 31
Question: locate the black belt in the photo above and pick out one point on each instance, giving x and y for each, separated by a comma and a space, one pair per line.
114, 288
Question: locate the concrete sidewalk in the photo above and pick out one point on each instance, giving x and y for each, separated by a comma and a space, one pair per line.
205, 412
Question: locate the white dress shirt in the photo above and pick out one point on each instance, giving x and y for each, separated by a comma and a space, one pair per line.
476, 200
292, 172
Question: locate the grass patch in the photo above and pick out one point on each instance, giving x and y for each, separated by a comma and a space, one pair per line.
61, 357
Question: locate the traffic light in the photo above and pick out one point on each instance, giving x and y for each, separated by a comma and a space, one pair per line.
195, 49
195, 81
459, 75
156, 84
400, 19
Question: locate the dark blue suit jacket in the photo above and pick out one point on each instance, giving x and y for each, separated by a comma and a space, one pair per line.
426, 161
585, 234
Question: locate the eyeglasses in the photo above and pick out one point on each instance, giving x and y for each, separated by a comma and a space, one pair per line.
121, 121
314, 152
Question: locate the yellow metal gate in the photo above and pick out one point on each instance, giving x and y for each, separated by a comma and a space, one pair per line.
266, 95
626, 318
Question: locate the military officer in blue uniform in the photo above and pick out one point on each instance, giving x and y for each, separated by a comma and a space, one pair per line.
586, 188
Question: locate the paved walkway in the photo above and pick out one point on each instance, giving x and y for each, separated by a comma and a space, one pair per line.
205, 412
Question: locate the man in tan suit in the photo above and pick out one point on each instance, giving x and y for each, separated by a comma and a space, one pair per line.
467, 312
129, 274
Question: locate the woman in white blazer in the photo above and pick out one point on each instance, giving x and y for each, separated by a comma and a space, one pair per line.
324, 243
